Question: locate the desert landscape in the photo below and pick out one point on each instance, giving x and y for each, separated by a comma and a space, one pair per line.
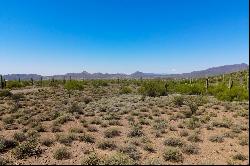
122, 121
124, 82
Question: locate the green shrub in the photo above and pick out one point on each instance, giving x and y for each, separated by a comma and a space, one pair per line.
26, 149
20, 136
136, 131
5, 93
112, 132
92, 159
190, 149
74, 85
131, 151
107, 144
153, 88
65, 139
173, 141
216, 138
6, 144
125, 90
173, 155
62, 153
119, 159
87, 138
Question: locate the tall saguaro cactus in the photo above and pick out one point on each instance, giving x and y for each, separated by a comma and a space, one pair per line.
247, 82
230, 83
207, 84
1, 82
32, 81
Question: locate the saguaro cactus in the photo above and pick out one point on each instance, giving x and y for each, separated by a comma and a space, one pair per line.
41, 81
247, 82
207, 84
69, 78
1, 82
4, 83
32, 81
118, 80
230, 83
19, 80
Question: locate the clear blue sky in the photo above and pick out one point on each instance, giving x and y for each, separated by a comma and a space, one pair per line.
161, 36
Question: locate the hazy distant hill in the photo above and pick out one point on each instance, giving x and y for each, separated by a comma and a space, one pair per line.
85, 75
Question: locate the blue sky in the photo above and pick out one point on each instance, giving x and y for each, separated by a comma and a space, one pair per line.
161, 36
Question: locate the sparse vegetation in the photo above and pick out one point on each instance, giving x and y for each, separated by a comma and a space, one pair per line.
107, 122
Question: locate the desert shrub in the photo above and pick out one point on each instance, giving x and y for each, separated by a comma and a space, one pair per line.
55, 129
47, 142
92, 159
225, 122
190, 149
107, 144
173, 155
237, 93
173, 141
92, 129
131, 151
243, 140
236, 128
96, 121
65, 139
136, 131
192, 123
160, 125
178, 100
75, 108
87, 99
125, 90
153, 88
87, 138
216, 138
6, 144
194, 137
5, 93
27, 149
149, 147
99, 83
240, 156
243, 113
76, 130
14, 84
62, 119
74, 85
119, 159
112, 132
20, 136
61, 153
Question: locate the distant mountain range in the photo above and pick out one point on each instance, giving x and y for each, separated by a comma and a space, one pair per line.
85, 75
